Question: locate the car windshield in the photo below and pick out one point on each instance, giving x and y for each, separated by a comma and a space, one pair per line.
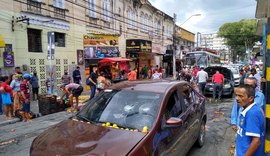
127, 109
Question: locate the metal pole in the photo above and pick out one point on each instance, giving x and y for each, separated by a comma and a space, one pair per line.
50, 61
267, 91
174, 46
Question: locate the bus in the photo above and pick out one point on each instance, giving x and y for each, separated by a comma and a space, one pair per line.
202, 59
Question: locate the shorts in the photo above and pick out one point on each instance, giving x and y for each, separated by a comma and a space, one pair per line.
77, 92
35, 90
26, 107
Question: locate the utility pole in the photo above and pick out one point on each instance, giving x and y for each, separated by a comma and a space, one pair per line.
267, 90
174, 46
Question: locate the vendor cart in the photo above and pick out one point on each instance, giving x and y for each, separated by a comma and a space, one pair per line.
115, 69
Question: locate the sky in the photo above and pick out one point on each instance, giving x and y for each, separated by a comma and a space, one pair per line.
214, 13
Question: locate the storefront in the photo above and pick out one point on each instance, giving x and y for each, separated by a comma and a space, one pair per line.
140, 52
97, 47
158, 52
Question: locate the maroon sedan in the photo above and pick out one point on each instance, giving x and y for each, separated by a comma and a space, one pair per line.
131, 118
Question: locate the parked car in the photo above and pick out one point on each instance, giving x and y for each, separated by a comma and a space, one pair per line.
236, 76
228, 87
133, 118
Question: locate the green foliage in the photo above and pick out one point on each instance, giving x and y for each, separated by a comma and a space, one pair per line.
239, 36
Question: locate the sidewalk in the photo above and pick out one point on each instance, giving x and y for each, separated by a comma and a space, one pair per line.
34, 109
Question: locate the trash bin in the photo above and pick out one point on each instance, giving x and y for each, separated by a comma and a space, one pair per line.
47, 104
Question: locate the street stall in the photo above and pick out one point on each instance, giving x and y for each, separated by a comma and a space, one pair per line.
115, 69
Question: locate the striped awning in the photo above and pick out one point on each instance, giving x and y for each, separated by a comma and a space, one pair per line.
2, 42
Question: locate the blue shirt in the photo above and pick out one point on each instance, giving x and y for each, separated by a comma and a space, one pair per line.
252, 124
15, 85
235, 114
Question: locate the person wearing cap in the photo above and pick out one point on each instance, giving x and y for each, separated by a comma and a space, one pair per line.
76, 75
25, 97
73, 90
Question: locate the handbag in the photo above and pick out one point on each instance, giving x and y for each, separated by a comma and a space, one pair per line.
6, 99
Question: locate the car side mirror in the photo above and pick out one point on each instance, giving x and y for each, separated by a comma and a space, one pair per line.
174, 122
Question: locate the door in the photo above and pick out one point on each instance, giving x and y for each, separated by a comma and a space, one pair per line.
172, 141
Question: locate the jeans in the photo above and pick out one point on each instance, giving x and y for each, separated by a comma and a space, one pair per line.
202, 86
217, 88
93, 91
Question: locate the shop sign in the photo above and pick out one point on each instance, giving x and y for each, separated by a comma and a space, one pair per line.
100, 46
100, 52
158, 49
100, 40
138, 46
8, 56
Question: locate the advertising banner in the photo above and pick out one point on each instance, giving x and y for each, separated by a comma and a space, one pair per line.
135, 46
80, 57
100, 46
8, 56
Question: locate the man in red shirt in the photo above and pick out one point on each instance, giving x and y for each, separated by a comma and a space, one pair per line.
25, 97
218, 81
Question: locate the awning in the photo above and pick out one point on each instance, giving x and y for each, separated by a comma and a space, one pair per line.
113, 59
2, 42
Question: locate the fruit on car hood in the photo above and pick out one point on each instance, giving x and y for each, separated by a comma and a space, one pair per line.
80, 138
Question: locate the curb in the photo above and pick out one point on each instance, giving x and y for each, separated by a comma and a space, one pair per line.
15, 120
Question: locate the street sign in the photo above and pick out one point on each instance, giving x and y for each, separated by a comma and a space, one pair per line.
51, 45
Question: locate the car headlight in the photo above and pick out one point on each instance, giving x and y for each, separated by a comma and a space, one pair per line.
227, 86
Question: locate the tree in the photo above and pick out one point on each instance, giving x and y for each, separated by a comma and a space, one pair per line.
239, 36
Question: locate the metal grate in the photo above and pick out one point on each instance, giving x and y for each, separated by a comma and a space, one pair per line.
43, 90
43, 83
42, 76
41, 61
58, 68
65, 61
58, 81
58, 61
32, 69
42, 69
66, 68
32, 61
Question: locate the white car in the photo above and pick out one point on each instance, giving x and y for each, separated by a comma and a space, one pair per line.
236, 75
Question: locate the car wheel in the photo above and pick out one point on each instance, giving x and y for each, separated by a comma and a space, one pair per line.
201, 137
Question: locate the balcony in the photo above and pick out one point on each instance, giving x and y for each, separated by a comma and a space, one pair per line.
59, 13
34, 6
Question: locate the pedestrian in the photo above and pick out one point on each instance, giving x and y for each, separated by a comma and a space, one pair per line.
194, 72
145, 71
250, 134
76, 75
218, 81
259, 100
35, 86
72, 90
7, 97
257, 75
156, 75
15, 85
101, 82
19, 73
1, 91
132, 75
25, 97
66, 78
92, 82
243, 76
149, 73
202, 77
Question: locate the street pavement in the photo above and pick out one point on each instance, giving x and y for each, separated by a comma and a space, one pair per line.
16, 139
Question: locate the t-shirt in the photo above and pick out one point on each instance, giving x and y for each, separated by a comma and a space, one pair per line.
7, 88
202, 75
94, 77
218, 78
25, 89
132, 76
66, 79
156, 76
34, 82
15, 85
252, 124
72, 86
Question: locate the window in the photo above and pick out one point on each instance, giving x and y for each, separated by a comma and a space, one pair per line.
34, 6
142, 21
134, 17
130, 16
173, 107
59, 4
150, 23
34, 40
59, 39
106, 9
92, 8
145, 22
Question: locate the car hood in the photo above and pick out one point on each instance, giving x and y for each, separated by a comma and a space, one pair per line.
79, 138
236, 76
212, 70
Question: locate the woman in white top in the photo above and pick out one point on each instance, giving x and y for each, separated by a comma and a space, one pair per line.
156, 75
